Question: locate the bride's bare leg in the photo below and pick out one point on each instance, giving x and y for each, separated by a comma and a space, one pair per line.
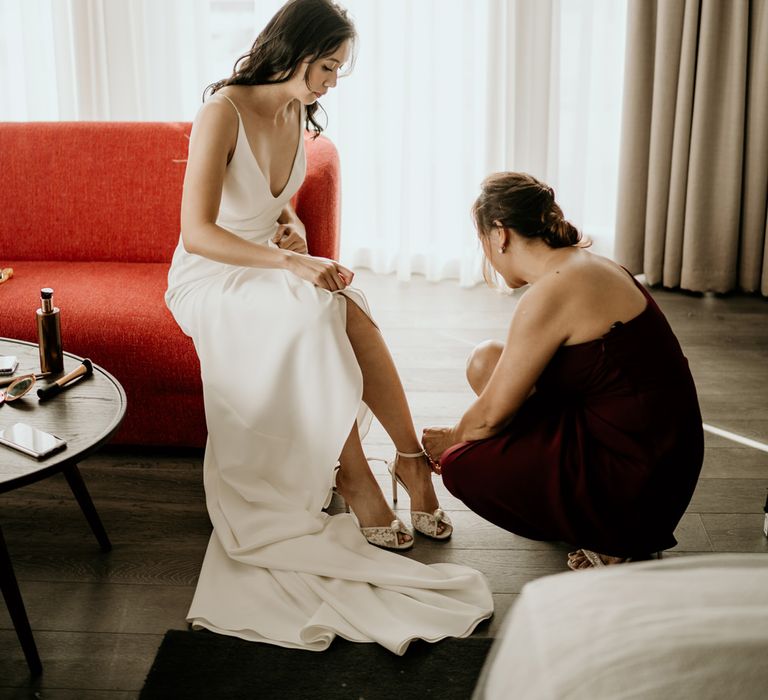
383, 393
359, 488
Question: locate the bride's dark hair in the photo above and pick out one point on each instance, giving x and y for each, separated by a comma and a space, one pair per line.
302, 30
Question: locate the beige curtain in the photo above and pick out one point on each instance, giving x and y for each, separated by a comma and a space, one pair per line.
693, 173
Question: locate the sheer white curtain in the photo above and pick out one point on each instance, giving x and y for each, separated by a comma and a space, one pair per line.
591, 61
443, 93
105, 59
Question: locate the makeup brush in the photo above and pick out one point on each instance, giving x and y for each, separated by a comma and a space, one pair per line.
48, 392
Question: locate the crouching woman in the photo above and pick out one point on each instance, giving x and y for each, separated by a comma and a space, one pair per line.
586, 428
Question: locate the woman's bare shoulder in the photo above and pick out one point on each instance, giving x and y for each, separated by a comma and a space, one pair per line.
591, 293
582, 296
602, 276
216, 119
218, 106
569, 278
588, 273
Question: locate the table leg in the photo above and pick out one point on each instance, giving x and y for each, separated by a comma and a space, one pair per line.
76, 483
15, 605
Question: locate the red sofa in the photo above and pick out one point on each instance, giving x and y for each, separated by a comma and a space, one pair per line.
92, 210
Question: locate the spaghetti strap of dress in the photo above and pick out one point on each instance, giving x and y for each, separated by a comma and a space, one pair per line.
233, 105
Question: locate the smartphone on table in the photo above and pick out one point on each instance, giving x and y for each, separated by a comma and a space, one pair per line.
8, 364
30, 440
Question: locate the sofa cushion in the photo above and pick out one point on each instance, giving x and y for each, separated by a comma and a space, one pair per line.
114, 314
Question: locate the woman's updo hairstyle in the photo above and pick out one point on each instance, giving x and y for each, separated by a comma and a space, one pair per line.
523, 203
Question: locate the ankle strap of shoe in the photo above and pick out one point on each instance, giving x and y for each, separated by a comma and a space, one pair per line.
411, 455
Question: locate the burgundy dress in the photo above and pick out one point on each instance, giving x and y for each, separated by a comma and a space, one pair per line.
604, 455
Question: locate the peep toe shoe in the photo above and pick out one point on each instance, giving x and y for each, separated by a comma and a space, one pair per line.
384, 536
387, 537
427, 524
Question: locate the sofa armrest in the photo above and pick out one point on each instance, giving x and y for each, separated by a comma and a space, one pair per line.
318, 201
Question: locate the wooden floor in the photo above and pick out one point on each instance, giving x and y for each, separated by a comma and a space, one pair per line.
98, 619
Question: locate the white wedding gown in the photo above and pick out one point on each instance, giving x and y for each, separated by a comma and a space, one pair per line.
282, 389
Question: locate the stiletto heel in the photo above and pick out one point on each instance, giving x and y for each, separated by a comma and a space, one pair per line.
394, 489
334, 491
386, 537
426, 523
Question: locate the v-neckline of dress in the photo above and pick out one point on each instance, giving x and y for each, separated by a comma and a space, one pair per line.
256, 162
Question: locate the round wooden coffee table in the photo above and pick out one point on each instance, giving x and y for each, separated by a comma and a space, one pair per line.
86, 415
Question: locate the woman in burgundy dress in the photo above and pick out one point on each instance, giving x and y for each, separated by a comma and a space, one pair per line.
587, 427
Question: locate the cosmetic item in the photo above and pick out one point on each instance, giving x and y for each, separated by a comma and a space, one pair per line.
85, 369
49, 334
5, 381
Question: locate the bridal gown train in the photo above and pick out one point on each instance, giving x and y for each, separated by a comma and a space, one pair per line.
282, 389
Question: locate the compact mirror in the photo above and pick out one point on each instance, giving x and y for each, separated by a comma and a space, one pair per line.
18, 387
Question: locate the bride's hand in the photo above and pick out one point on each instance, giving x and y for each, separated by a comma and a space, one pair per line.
290, 237
437, 440
322, 272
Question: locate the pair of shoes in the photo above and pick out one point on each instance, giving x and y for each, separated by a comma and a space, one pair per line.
426, 523
384, 536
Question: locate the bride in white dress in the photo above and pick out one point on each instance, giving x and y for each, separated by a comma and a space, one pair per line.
291, 362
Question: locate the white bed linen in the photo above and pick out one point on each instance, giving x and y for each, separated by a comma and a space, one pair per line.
684, 627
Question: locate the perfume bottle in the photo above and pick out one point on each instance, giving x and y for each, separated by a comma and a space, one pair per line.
49, 334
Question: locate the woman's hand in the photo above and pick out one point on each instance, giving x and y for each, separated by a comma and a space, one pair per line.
291, 237
437, 440
322, 272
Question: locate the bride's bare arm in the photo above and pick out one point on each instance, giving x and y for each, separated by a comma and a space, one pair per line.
212, 141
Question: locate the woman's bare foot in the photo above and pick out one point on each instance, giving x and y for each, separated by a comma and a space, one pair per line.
416, 474
587, 559
367, 502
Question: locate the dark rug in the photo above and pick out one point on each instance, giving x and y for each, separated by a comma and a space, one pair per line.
201, 664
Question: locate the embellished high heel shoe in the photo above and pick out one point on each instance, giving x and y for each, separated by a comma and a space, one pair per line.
426, 523
387, 537
384, 536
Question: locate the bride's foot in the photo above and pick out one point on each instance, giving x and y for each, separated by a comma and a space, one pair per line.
415, 475
377, 522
